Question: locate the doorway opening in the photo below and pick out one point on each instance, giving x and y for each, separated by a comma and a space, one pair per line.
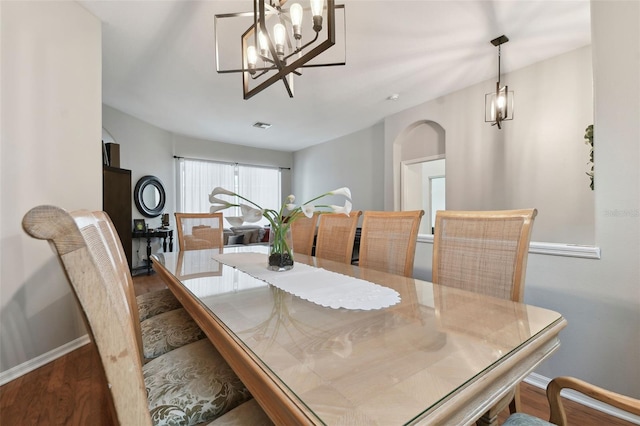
424, 187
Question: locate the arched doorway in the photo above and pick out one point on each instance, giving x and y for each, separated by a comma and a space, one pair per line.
421, 148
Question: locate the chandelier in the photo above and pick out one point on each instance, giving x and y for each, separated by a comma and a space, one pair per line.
278, 39
498, 105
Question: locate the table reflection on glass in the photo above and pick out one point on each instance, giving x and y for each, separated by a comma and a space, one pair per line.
439, 356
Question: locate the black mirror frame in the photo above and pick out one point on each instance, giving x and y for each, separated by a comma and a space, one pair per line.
139, 190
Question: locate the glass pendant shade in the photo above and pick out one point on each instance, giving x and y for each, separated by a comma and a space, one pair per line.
499, 105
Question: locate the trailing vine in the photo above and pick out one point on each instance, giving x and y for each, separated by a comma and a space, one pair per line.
588, 139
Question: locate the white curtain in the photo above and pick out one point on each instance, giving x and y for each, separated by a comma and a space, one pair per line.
197, 178
260, 185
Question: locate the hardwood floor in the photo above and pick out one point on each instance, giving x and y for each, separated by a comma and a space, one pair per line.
72, 391
68, 391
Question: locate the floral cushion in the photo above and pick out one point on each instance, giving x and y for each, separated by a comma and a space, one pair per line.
165, 332
248, 413
521, 419
156, 302
191, 385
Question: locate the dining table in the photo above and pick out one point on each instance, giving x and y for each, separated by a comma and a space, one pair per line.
329, 343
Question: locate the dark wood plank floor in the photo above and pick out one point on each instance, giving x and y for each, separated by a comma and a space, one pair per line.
68, 391
72, 391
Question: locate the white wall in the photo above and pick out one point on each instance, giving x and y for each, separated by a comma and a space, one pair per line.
601, 298
50, 154
353, 161
614, 286
145, 150
149, 150
188, 147
539, 160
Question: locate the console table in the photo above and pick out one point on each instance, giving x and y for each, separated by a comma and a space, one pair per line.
155, 233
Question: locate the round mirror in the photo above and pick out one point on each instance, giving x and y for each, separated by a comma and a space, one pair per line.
149, 196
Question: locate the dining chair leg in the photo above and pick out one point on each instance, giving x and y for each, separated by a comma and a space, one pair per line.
514, 405
489, 418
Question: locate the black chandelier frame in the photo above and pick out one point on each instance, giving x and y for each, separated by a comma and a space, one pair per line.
274, 67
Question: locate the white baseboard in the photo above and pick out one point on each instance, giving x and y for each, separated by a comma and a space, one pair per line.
567, 250
541, 382
549, 249
39, 361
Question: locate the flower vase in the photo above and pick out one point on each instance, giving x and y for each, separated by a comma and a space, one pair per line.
280, 249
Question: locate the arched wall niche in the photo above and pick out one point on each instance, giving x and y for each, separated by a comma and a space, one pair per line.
421, 139
419, 153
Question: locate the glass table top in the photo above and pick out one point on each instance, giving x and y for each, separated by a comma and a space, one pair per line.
384, 366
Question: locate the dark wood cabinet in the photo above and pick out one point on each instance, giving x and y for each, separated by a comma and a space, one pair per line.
116, 201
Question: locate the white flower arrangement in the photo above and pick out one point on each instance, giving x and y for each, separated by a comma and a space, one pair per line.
280, 220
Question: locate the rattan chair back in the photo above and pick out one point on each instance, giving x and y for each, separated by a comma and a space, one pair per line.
198, 231
388, 241
93, 259
303, 231
483, 251
336, 235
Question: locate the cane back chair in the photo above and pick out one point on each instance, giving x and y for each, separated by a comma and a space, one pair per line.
388, 241
189, 385
336, 236
484, 252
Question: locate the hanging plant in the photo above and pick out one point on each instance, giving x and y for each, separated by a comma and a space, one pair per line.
588, 139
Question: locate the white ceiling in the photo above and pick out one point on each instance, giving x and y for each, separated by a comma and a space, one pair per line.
159, 64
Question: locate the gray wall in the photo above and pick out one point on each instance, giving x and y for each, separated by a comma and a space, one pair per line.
539, 160
149, 150
145, 150
188, 147
50, 154
354, 161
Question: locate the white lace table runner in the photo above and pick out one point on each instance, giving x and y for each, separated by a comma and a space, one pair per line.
317, 285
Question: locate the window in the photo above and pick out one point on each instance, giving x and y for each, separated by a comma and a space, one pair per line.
197, 178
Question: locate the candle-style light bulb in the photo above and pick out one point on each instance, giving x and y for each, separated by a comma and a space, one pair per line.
316, 10
252, 59
296, 20
316, 7
264, 45
279, 34
501, 103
